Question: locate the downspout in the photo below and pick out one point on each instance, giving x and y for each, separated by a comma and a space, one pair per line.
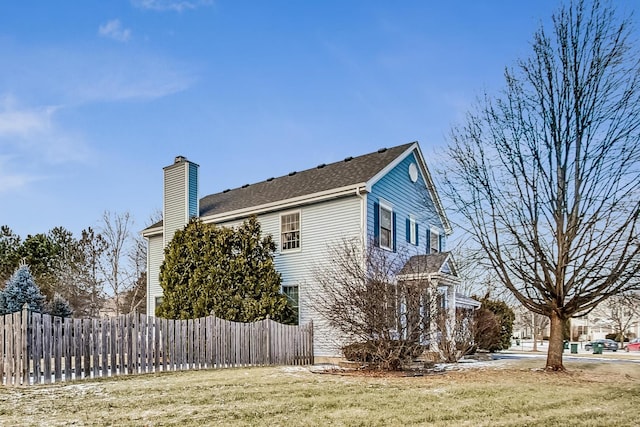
363, 215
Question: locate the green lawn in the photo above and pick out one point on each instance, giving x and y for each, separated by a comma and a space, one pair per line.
515, 394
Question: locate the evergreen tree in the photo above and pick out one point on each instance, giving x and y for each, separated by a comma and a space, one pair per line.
227, 272
60, 307
21, 289
10, 244
504, 317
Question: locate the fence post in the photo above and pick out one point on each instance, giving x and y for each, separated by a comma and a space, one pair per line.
311, 357
24, 360
268, 325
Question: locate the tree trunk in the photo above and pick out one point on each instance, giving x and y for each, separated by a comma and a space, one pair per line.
554, 352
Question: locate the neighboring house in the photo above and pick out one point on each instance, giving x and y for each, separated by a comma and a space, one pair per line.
386, 197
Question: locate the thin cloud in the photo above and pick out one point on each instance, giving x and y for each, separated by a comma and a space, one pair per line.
171, 5
114, 30
34, 134
13, 181
73, 77
33, 143
129, 78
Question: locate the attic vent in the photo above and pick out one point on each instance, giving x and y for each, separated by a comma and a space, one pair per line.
321, 166
348, 159
382, 150
227, 190
292, 173
245, 186
270, 179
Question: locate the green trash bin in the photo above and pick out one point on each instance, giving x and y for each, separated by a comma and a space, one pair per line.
574, 348
566, 345
597, 347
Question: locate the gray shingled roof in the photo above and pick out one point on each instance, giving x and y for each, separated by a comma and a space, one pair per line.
347, 172
350, 171
425, 264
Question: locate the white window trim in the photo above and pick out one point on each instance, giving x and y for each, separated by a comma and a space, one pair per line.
299, 248
412, 230
388, 207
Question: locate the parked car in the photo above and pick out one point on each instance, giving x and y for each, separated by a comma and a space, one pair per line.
633, 345
606, 345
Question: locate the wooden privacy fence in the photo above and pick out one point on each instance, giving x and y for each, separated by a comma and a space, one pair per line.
39, 348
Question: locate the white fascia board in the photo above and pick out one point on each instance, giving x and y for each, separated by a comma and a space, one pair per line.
335, 193
413, 276
441, 278
426, 175
151, 232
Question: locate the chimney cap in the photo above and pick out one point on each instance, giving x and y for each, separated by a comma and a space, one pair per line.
180, 159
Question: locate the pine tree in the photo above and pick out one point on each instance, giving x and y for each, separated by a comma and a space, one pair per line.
60, 307
228, 272
21, 289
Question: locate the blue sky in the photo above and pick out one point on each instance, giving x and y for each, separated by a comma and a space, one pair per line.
97, 96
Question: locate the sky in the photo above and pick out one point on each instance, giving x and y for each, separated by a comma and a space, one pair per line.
96, 97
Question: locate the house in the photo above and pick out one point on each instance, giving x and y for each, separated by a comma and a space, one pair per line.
386, 198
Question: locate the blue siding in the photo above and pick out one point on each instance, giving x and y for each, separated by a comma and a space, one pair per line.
406, 198
193, 190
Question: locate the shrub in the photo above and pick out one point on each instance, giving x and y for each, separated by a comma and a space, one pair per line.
59, 307
387, 355
616, 337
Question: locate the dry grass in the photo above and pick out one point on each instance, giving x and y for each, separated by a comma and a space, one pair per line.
514, 394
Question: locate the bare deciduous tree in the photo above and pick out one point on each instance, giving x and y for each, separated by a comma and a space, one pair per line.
135, 299
620, 312
547, 175
91, 246
116, 231
385, 320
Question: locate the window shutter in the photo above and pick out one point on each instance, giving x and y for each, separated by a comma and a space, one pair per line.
376, 223
441, 243
408, 231
417, 235
428, 241
393, 230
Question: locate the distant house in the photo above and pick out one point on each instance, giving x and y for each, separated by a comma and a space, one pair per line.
386, 198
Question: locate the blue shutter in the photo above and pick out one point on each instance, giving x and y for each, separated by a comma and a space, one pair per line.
408, 231
376, 223
394, 231
428, 241
417, 235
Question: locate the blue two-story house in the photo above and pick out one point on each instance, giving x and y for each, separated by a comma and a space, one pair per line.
386, 198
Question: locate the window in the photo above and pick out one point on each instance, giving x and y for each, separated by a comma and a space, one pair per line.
412, 230
291, 292
434, 241
290, 231
386, 230
159, 301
